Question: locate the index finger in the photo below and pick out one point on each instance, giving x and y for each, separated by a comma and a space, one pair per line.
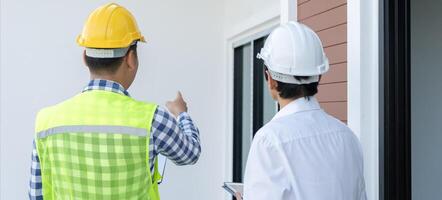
179, 95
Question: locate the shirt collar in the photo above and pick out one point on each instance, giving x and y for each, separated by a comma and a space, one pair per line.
107, 85
298, 105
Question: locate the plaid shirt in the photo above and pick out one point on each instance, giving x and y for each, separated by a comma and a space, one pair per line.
178, 140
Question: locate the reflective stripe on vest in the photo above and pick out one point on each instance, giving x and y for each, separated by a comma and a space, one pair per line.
93, 129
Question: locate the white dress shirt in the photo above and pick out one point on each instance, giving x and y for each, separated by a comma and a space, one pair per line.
304, 154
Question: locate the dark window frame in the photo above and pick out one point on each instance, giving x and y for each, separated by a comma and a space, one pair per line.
237, 114
258, 79
395, 135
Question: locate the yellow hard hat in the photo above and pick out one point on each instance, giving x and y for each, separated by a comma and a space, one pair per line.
110, 27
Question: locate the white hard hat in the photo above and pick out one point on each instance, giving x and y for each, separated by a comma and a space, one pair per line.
291, 50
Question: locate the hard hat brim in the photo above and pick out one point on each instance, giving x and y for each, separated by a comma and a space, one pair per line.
110, 44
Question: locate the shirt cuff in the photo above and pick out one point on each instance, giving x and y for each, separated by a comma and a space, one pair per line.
184, 117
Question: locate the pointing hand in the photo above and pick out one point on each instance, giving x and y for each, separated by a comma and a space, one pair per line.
177, 106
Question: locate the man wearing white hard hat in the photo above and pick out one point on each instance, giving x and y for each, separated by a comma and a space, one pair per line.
302, 153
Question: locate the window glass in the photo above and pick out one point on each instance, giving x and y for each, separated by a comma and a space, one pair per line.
246, 104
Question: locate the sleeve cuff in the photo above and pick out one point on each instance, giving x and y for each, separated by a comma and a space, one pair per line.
183, 116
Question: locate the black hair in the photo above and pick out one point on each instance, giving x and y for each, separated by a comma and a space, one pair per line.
290, 91
107, 65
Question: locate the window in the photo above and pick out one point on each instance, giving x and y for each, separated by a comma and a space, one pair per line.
253, 105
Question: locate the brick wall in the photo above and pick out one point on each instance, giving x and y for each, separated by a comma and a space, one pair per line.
328, 18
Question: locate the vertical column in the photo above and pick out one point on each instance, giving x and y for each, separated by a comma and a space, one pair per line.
288, 10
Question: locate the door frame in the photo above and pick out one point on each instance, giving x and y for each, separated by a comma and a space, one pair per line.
363, 89
395, 151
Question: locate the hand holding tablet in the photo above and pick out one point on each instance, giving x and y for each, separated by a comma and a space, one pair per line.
234, 188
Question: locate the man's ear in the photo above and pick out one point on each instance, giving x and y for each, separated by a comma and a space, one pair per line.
84, 57
271, 83
131, 59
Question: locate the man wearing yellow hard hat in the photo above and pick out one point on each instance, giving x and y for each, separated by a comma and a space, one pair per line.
101, 143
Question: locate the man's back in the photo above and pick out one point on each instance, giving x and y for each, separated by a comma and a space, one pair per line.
305, 154
95, 146
103, 129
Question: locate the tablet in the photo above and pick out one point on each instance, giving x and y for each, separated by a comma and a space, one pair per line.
233, 188
162, 160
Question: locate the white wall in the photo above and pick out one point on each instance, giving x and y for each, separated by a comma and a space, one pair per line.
242, 15
41, 65
426, 98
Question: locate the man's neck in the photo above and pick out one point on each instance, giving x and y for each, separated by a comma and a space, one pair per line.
283, 102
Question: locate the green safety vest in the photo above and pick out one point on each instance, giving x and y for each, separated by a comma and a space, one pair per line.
96, 146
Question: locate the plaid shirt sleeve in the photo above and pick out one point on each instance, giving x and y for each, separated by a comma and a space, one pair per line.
177, 139
35, 185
